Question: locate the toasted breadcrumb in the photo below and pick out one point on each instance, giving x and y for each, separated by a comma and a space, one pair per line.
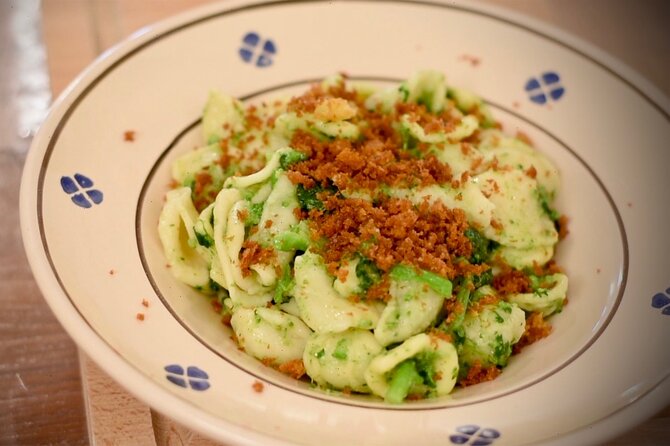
478, 374
536, 328
258, 386
294, 368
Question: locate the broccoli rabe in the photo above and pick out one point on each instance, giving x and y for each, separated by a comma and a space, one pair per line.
284, 286
307, 198
291, 157
368, 273
439, 284
481, 246
455, 326
403, 378
482, 279
545, 198
204, 239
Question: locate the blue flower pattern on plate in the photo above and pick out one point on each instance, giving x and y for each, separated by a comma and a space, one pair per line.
256, 51
80, 189
196, 379
473, 435
662, 300
544, 88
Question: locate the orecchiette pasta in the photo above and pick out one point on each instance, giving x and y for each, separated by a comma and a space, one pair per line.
389, 242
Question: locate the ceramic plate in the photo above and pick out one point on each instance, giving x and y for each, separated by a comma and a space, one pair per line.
98, 170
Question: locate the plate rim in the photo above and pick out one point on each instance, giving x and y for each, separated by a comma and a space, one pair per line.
99, 350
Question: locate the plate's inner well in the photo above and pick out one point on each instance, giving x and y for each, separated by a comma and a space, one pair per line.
593, 293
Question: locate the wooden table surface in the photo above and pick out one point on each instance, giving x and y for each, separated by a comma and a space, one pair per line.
51, 394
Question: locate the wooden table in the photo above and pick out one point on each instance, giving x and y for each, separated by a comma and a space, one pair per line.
51, 394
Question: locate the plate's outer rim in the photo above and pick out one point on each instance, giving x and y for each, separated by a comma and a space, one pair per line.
133, 379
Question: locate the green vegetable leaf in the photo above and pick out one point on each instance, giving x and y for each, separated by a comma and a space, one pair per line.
484, 278
404, 92
481, 246
204, 239
307, 198
425, 366
291, 157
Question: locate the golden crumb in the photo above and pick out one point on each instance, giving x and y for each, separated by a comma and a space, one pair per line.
258, 386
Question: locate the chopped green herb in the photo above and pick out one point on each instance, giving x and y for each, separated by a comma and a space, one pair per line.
341, 349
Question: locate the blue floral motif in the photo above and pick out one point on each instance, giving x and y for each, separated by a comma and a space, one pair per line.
662, 300
473, 435
544, 88
256, 51
196, 379
80, 189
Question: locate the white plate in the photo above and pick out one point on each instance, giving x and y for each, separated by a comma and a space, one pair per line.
90, 203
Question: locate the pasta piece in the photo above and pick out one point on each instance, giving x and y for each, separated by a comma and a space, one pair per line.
222, 117
547, 299
187, 165
435, 363
468, 102
322, 309
478, 209
429, 88
411, 310
513, 153
385, 99
458, 159
526, 258
267, 333
352, 284
175, 230
339, 360
465, 128
490, 334
241, 298
521, 221
241, 183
